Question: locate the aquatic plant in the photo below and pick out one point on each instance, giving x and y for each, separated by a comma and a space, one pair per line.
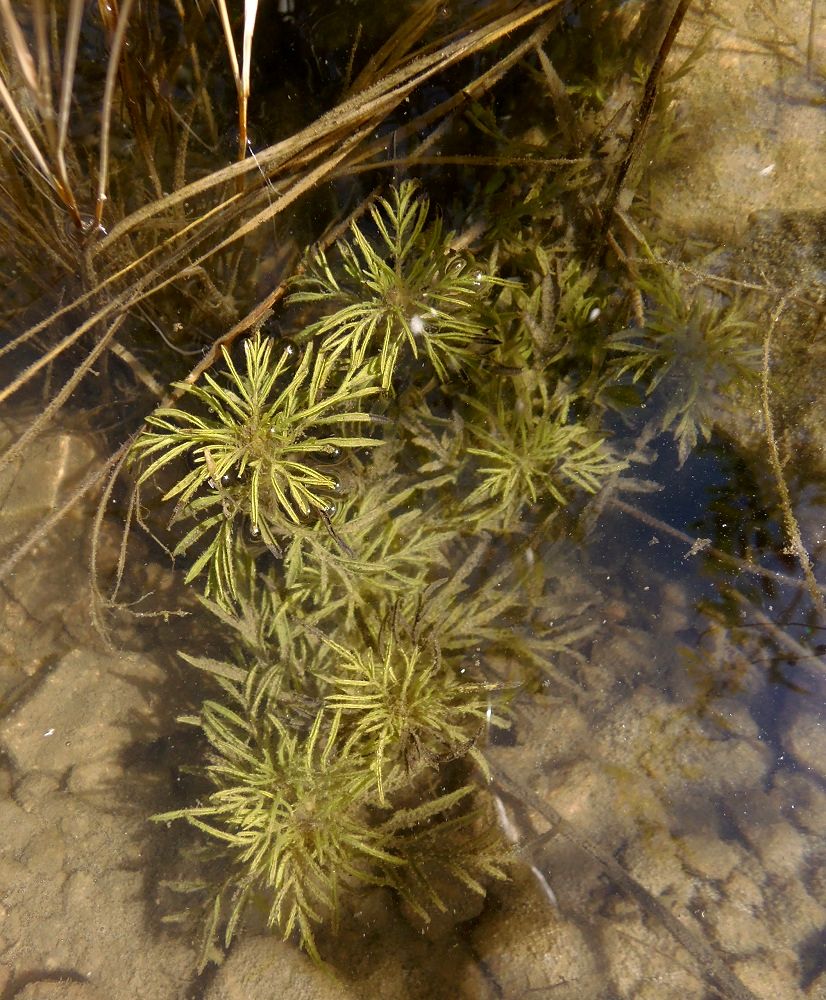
252, 448
528, 449
295, 812
405, 707
363, 510
352, 694
291, 814
412, 292
695, 355
354, 572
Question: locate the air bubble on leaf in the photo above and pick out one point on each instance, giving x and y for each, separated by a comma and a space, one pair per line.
335, 487
289, 349
227, 480
305, 515
329, 510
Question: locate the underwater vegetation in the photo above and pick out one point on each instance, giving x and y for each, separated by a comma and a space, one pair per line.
349, 747
369, 437
253, 447
381, 710
692, 353
408, 296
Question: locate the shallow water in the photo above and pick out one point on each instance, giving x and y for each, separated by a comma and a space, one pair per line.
666, 785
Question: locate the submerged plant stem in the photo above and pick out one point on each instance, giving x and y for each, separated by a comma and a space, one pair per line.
789, 520
714, 970
724, 557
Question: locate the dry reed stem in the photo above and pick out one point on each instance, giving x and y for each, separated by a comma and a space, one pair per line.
72, 41
37, 79
398, 45
250, 12
354, 118
369, 105
108, 101
460, 160
316, 140
469, 92
326, 131
240, 76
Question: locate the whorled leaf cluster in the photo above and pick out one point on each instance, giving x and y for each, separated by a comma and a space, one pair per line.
408, 295
691, 354
367, 509
332, 778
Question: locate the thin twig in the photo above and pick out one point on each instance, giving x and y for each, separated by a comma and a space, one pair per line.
41, 530
714, 970
56, 402
99, 602
780, 635
640, 123
718, 554
108, 101
789, 520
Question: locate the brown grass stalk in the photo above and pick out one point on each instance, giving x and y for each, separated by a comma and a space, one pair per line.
316, 141
790, 524
70, 45
290, 169
112, 66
